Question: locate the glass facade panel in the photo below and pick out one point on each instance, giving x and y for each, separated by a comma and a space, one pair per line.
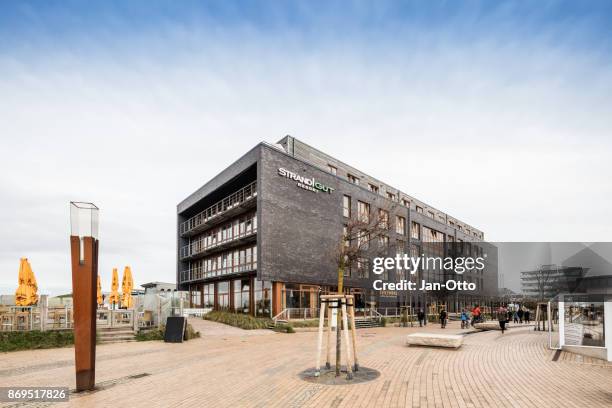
263, 298
242, 295
223, 295
584, 324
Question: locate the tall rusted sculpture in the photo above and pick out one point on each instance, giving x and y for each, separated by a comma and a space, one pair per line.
84, 252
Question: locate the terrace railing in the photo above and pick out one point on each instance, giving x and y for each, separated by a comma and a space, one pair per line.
199, 247
241, 196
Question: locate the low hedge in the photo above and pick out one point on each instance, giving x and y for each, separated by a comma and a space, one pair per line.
36, 339
238, 320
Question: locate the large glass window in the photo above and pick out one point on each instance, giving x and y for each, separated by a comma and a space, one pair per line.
208, 300
584, 324
400, 225
383, 218
241, 295
362, 268
196, 300
415, 230
363, 211
223, 295
263, 298
346, 206
363, 240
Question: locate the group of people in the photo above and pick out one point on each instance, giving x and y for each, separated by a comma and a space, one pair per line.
519, 315
443, 317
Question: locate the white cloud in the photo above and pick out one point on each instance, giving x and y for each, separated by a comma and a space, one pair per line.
512, 138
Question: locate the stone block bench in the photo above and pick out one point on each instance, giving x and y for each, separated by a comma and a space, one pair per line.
435, 340
492, 325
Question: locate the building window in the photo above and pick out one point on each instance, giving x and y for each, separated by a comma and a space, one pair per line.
345, 238
459, 227
263, 298
347, 272
223, 295
209, 296
346, 206
400, 225
363, 211
242, 295
362, 268
332, 169
430, 214
406, 203
195, 297
415, 230
383, 241
373, 188
419, 209
363, 240
391, 196
353, 179
451, 223
431, 235
383, 219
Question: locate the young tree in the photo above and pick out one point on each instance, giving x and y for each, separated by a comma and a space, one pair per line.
365, 234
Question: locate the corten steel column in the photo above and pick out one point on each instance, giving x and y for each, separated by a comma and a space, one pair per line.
84, 254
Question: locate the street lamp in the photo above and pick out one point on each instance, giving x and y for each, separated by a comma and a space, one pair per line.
84, 256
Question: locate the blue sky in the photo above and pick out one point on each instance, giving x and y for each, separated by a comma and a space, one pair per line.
502, 109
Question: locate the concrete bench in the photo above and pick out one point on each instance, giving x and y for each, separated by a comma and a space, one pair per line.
435, 340
492, 325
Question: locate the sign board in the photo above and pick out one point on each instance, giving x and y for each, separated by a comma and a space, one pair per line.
307, 183
175, 329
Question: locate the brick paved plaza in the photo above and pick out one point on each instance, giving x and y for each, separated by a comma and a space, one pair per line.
230, 367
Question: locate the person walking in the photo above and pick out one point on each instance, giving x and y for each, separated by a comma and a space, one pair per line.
521, 313
502, 317
421, 317
526, 314
475, 314
515, 316
464, 319
443, 318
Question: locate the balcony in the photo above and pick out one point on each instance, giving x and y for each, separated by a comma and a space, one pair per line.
199, 248
220, 211
198, 273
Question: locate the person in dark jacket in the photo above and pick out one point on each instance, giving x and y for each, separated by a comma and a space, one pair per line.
526, 315
443, 318
421, 317
502, 317
521, 314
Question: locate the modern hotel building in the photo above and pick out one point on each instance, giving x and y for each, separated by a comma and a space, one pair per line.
259, 237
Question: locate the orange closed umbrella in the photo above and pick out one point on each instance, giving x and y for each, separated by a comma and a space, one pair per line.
21, 294
31, 285
100, 299
126, 287
113, 298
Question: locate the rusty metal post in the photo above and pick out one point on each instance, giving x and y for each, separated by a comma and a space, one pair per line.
84, 286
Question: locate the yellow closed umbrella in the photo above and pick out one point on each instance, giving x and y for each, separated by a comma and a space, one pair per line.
21, 294
31, 286
100, 299
113, 298
126, 287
